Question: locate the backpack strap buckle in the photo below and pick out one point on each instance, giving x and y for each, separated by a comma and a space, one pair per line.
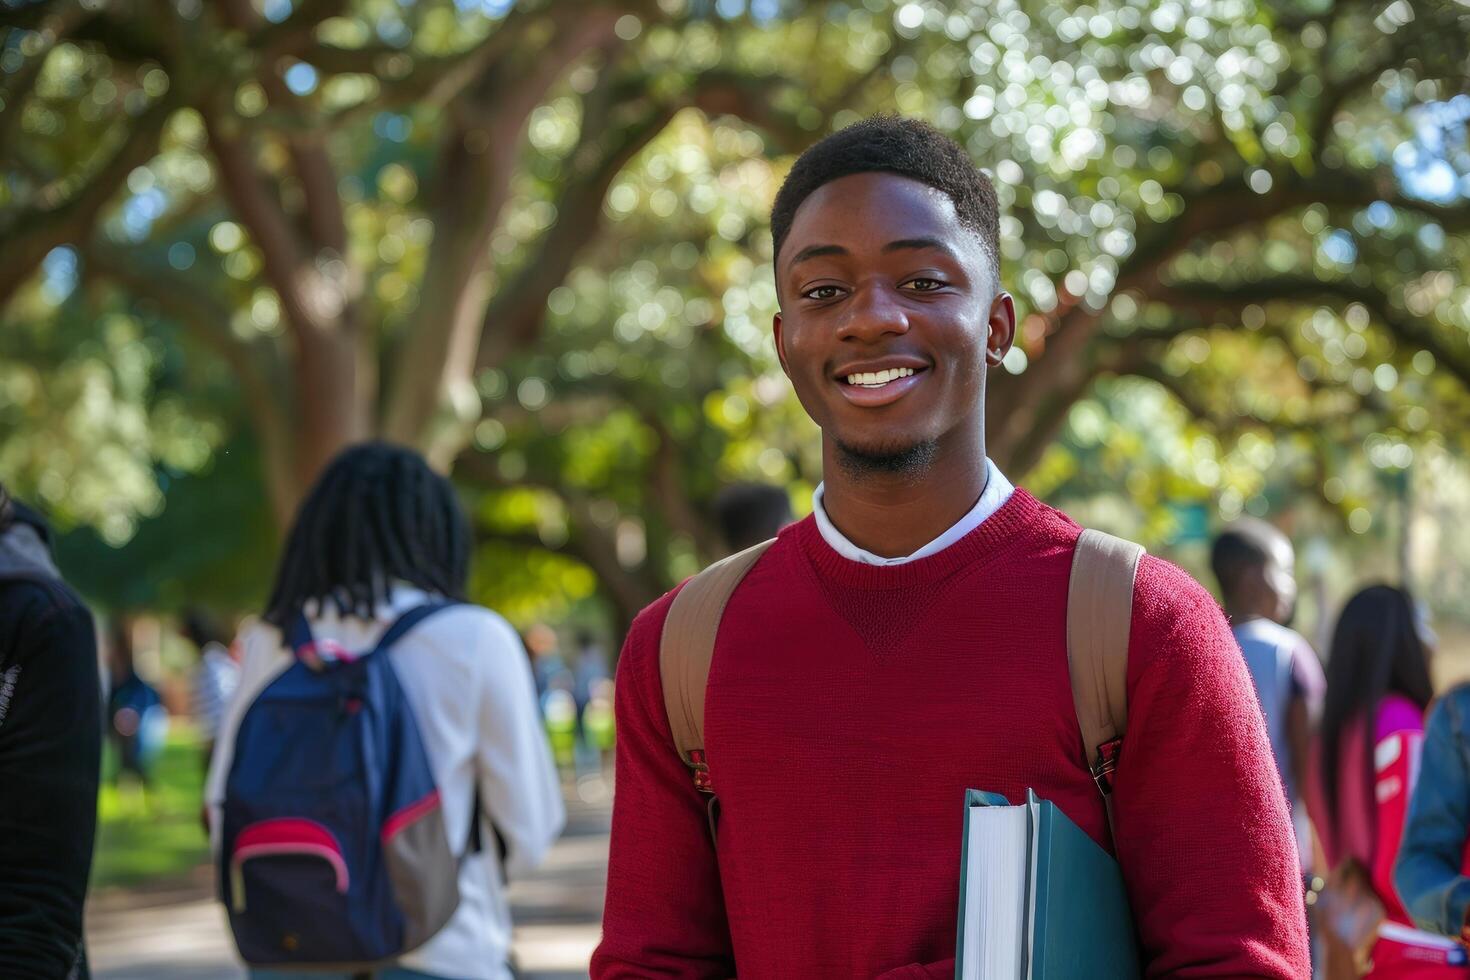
699, 766
1107, 762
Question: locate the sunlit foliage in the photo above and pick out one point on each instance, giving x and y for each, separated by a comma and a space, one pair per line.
1235, 231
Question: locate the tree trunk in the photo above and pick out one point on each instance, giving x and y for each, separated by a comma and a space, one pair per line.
332, 397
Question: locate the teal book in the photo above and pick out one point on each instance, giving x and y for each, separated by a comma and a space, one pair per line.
1039, 900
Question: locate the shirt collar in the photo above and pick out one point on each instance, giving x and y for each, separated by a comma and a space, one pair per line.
997, 491
401, 598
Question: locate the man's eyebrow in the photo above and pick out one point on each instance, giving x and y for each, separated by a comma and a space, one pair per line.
813, 251
918, 243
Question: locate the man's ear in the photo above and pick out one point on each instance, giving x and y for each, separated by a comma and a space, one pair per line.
1000, 331
780, 342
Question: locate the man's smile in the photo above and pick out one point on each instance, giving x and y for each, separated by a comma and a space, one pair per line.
877, 379
877, 382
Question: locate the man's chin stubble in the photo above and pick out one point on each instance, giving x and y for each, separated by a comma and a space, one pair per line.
910, 461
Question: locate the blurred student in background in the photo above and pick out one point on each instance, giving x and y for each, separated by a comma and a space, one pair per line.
50, 747
1433, 869
137, 718
1254, 564
215, 676
749, 513
1367, 759
381, 535
590, 670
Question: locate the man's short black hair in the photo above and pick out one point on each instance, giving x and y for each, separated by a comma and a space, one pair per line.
749, 513
907, 147
202, 628
1244, 546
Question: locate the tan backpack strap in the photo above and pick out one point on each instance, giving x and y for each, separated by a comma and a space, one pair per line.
1099, 614
688, 646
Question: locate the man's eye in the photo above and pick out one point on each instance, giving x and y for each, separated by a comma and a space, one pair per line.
822, 292
924, 285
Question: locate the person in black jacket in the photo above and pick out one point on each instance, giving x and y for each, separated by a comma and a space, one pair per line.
50, 749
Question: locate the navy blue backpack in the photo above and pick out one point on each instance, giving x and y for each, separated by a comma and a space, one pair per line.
333, 849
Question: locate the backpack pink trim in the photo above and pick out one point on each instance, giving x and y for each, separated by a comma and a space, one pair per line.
400, 819
284, 836
325, 651
330, 855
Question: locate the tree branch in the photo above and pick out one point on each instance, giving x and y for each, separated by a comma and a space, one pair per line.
514, 318
475, 166
1017, 447
589, 542
306, 145
1343, 187
668, 491
54, 23
333, 377
1184, 393
293, 35
1230, 425
122, 38
435, 80
262, 214
27, 16
208, 322
1336, 94
609, 140
1224, 208
721, 93
1306, 289
33, 234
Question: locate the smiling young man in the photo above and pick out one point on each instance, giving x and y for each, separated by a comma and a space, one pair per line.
908, 641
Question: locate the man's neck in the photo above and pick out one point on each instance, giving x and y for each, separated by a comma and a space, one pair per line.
1239, 614
896, 514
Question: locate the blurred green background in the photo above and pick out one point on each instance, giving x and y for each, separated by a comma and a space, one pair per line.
531, 239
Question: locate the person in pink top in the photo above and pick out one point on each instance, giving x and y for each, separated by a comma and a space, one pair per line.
1367, 759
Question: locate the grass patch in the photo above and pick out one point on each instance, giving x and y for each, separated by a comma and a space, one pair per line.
144, 837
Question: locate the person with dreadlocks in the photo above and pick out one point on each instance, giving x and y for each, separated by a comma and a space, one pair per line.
378, 535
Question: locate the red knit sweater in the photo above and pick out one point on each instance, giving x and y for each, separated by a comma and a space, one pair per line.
849, 708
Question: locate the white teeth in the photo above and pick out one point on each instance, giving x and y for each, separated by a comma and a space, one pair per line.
877, 379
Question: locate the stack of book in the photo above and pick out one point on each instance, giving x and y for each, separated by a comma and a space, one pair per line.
1039, 900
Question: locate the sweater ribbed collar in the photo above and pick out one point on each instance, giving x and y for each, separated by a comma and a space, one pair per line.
992, 537
996, 492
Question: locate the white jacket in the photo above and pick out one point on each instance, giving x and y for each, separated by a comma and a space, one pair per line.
469, 682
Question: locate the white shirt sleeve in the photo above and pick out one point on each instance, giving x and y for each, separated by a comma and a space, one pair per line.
262, 659
520, 792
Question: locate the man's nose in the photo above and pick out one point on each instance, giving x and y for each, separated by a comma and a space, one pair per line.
875, 310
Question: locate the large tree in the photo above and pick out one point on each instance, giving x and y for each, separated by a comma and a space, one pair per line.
539, 226
121, 103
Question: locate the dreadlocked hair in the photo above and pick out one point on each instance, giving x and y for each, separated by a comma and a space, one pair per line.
377, 515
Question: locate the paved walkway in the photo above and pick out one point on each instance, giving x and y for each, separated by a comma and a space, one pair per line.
181, 934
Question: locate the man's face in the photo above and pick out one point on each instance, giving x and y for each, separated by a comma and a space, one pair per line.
889, 315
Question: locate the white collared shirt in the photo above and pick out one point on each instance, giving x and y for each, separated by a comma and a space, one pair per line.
468, 680
997, 491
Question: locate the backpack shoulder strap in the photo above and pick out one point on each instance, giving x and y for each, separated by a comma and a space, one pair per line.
1099, 614
409, 619
688, 646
